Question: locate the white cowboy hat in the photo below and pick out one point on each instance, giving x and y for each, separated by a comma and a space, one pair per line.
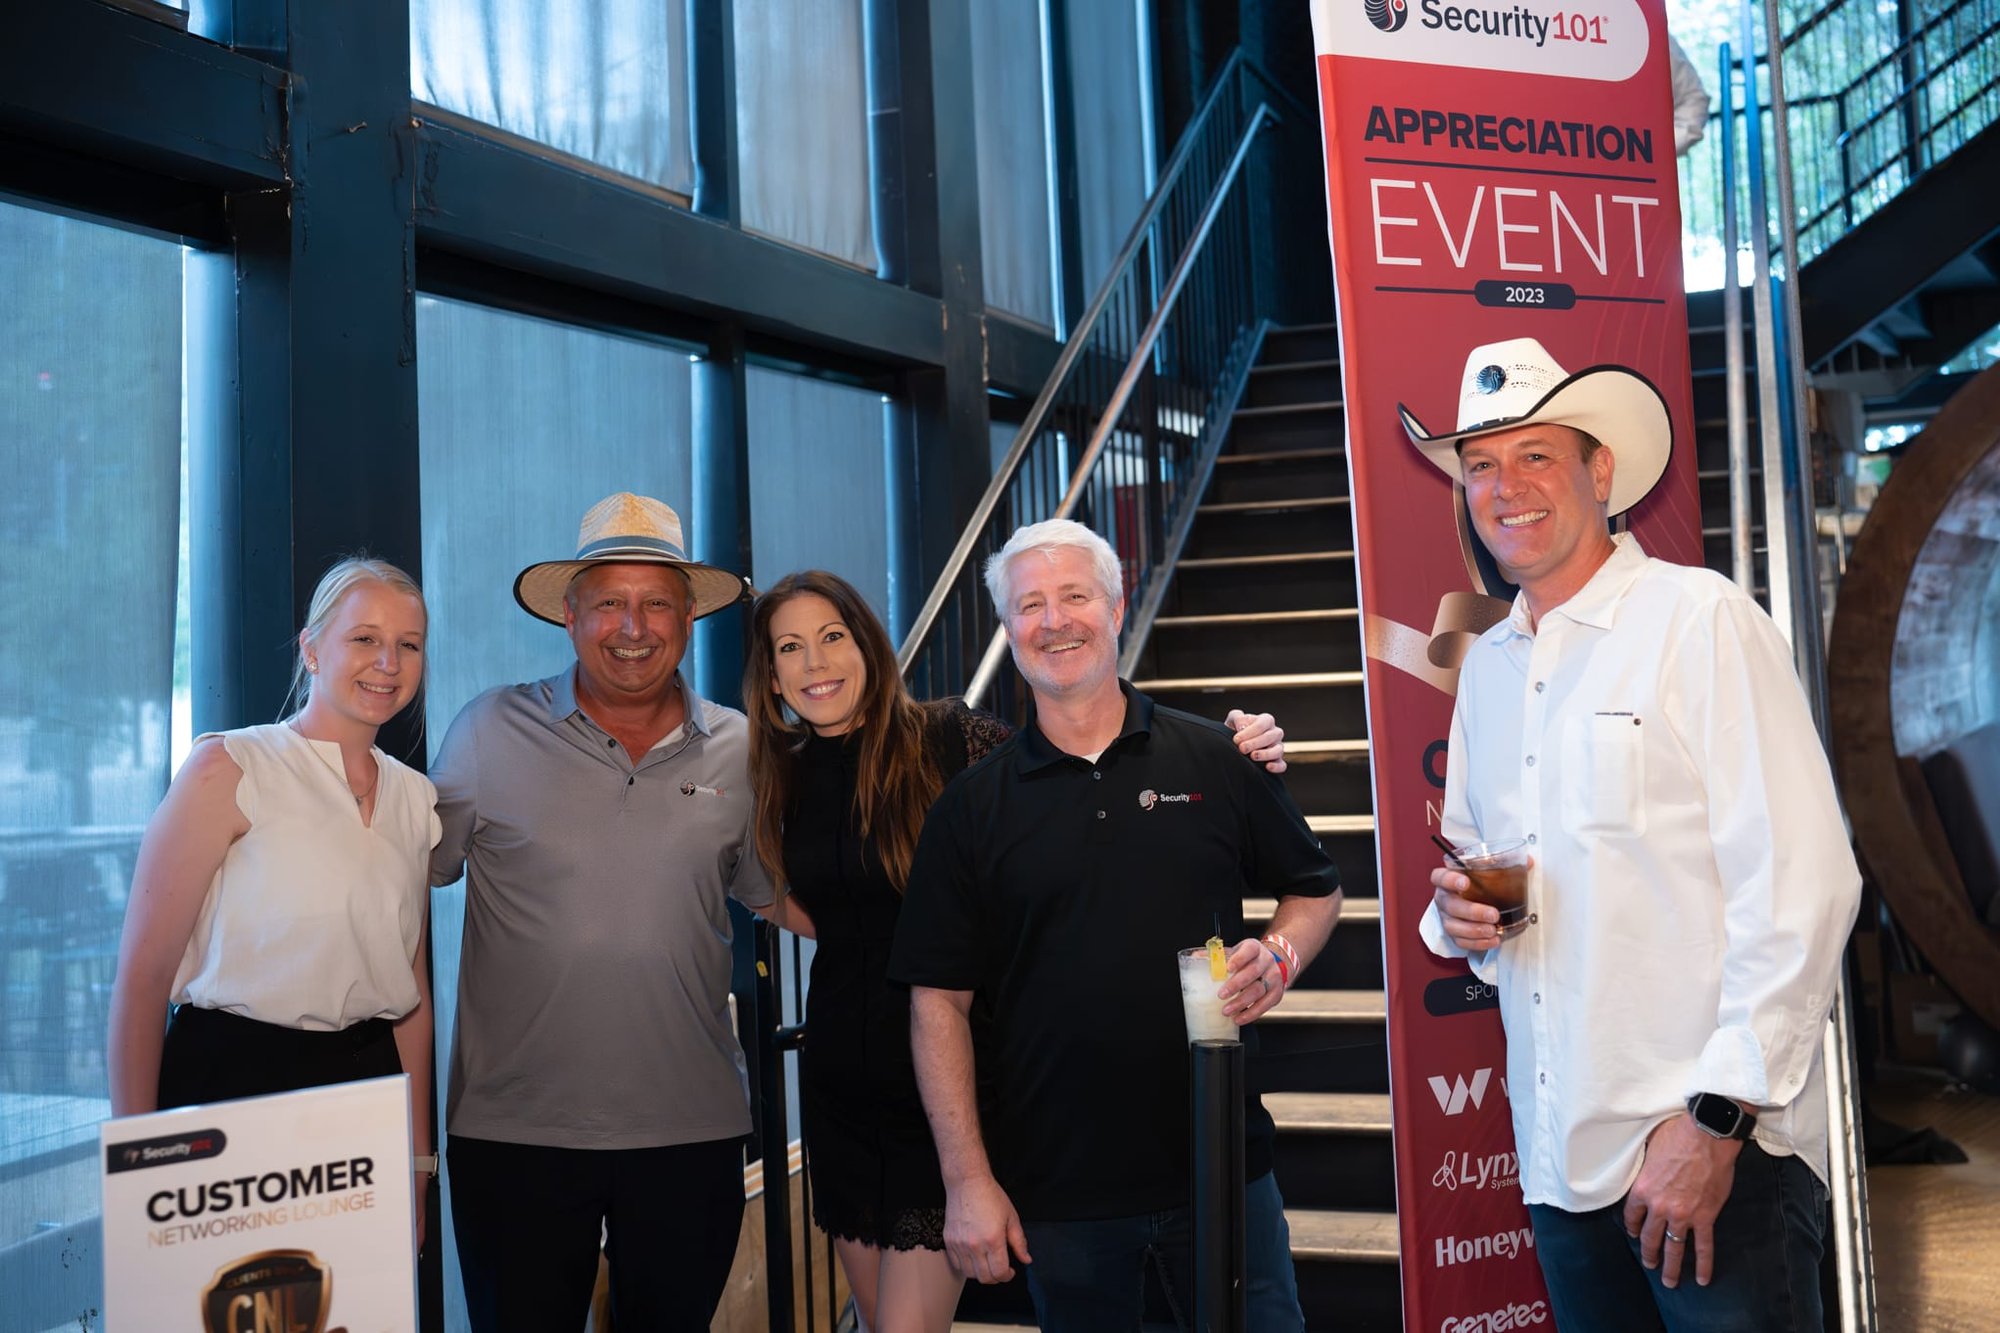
626, 529
1517, 383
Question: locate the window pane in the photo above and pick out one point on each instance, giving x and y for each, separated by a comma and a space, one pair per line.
1112, 174
1013, 159
90, 444
802, 125
525, 424
819, 482
606, 80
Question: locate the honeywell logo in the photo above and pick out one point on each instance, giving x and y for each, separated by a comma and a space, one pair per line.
1453, 1096
1522, 1314
1500, 1245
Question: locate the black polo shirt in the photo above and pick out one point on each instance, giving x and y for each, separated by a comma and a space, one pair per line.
1059, 891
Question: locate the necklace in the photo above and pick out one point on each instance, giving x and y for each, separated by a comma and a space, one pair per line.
361, 796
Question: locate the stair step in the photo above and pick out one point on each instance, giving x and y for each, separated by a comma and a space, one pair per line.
1332, 363
1227, 619
1353, 911
1324, 1233
1287, 680
1250, 561
1329, 1112
1273, 506
1277, 456
1272, 410
1330, 1006
1341, 823
1313, 751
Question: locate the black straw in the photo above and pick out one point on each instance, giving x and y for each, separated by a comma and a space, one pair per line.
1445, 847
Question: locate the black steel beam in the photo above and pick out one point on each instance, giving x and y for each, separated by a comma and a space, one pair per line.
939, 184
91, 78
1019, 358
522, 207
1949, 211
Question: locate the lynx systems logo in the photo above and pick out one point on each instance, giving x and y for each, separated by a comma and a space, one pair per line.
1388, 15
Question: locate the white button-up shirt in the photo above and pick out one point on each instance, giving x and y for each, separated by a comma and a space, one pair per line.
1692, 888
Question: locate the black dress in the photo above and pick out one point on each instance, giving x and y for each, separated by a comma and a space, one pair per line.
874, 1168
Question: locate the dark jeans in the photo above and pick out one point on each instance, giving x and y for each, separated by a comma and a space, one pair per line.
1767, 1254
1090, 1277
528, 1219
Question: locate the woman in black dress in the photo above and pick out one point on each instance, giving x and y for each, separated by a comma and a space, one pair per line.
841, 796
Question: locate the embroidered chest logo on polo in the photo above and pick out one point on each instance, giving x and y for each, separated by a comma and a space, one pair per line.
691, 788
1150, 798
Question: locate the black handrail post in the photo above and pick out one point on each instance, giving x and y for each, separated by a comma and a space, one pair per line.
774, 1132
1216, 1092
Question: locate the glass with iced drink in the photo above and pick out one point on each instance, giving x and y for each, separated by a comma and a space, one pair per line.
1200, 1003
1499, 875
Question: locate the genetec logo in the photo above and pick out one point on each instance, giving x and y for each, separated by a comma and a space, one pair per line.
1453, 1096
1522, 1314
1388, 15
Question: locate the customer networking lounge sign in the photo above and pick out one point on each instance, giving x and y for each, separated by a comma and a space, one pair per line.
283, 1214
1495, 170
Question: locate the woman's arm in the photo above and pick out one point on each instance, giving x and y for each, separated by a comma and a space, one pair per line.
183, 848
413, 1048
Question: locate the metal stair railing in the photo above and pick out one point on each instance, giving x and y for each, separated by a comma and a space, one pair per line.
1121, 434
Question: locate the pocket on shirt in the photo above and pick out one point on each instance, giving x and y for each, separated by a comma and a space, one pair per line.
1603, 774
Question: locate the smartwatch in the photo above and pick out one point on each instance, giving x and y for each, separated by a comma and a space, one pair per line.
1720, 1117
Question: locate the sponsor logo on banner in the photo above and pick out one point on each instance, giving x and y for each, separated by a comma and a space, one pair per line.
1453, 1096
1521, 1314
284, 1290
1500, 1245
1604, 40
1500, 1170
1388, 15
138, 1154
1150, 798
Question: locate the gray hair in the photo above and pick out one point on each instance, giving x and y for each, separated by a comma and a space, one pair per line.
1049, 536
343, 578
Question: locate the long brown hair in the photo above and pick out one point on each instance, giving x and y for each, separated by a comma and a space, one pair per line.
897, 781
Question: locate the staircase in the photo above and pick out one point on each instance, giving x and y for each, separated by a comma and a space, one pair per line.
1262, 613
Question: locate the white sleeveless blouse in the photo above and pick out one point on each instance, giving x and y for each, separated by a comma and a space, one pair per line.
313, 919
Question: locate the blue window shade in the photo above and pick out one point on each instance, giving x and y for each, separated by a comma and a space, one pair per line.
819, 482
1011, 128
1113, 175
605, 80
90, 443
525, 424
802, 125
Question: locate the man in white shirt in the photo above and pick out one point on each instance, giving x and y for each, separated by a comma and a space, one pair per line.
1639, 724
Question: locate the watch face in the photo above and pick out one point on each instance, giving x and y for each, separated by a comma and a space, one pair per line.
1718, 1115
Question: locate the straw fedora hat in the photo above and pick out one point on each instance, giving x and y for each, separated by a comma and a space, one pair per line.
626, 529
1517, 383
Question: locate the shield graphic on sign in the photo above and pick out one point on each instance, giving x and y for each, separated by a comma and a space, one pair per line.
288, 1289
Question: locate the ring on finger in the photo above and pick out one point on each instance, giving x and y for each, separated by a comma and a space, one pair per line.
1672, 1237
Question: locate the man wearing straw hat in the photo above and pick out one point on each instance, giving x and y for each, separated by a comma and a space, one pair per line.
1639, 724
600, 817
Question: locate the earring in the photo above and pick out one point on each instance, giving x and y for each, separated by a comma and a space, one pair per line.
312, 666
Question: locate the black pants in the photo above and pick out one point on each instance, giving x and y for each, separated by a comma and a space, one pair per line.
211, 1056
528, 1219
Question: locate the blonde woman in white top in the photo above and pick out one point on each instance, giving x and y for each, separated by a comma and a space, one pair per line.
279, 902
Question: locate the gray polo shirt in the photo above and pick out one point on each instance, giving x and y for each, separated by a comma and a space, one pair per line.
593, 985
